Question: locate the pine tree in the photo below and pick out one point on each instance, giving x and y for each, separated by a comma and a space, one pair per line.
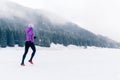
3, 38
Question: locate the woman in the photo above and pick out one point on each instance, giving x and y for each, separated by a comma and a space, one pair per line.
29, 43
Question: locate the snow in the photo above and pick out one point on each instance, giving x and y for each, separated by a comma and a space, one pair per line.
61, 63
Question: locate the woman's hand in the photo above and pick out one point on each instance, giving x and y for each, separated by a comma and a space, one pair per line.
35, 37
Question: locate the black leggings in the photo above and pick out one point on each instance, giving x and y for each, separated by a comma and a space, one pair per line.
27, 45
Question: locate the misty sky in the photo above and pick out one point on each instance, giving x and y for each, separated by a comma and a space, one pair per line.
98, 16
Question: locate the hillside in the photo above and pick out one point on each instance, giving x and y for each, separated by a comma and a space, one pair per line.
49, 28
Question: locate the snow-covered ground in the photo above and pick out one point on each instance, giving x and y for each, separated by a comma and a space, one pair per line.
61, 63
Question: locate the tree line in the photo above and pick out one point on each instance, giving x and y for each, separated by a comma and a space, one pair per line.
13, 33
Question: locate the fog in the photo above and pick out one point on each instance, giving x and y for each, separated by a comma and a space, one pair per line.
98, 16
10, 9
7, 9
54, 18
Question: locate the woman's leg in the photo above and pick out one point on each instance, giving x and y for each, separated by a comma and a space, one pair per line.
34, 50
25, 53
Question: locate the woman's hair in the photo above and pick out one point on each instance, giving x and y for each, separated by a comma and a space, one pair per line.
31, 25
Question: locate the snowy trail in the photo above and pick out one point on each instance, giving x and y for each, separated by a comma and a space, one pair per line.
61, 63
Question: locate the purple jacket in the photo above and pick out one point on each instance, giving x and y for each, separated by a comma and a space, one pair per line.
29, 34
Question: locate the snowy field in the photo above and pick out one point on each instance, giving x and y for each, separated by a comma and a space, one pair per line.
61, 63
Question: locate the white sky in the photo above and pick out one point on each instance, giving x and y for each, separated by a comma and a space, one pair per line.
98, 16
